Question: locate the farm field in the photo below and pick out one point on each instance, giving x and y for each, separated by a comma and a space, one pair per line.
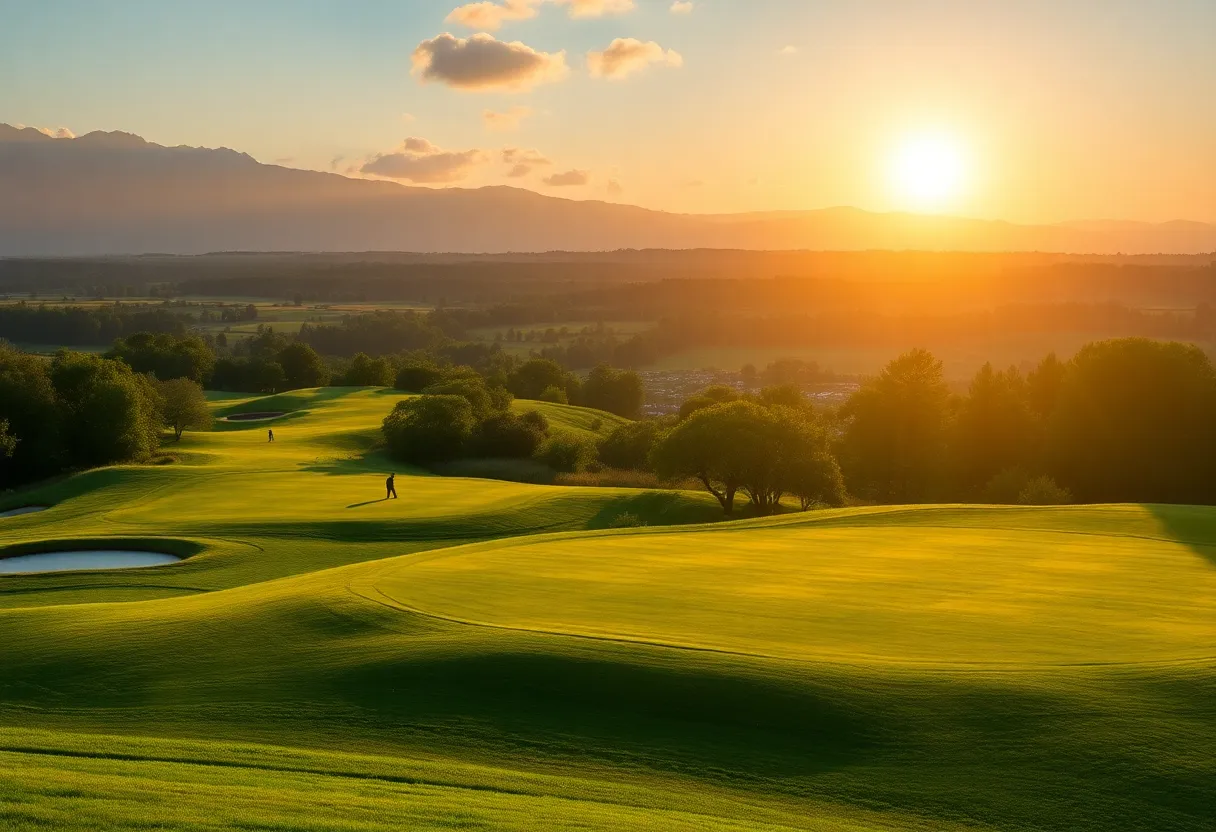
490, 655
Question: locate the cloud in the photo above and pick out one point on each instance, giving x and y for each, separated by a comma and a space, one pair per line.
420, 162
625, 56
596, 8
614, 188
788, 50
337, 161
483, 63
569, 179
523, 161
681, 7
489, 16
505, 121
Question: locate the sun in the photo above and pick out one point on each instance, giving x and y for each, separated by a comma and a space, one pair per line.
928, 171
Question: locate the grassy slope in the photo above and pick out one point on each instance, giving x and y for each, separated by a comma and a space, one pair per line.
939, 668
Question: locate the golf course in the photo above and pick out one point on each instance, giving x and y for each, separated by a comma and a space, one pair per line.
483, 654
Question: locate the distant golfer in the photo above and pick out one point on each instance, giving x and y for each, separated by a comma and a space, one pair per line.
270, 434
392, 489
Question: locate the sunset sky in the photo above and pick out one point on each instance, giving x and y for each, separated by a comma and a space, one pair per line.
1031, 111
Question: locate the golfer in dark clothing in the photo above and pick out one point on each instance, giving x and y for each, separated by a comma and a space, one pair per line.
270, 435
392, 489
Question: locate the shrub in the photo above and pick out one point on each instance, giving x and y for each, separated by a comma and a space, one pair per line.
429, 429
1043, 491
554, 394
472, 389
627, 520
613, 478
629, 446
567, 453
507, 436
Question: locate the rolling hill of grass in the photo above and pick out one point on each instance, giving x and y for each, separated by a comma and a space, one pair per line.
484, 655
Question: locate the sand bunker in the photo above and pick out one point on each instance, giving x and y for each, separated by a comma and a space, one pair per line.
17, 512
82, 559
253, 417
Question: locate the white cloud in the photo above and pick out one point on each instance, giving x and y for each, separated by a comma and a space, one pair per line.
596, 8
569, 179
681, 7
788, 50
625, 56
483, 63
488, 16
418, 160
505, 121
53, 132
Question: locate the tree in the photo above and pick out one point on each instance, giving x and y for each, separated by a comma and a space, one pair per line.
8, 442
1043, 385
28, 405
628, 446
302, 366
567, 452
784, 395
995, 429
416, 376
615, 391
710, 396
1134, 423
166, 356
365, 371
807, 468
109, 413
895, 429
711, 445
474, 390
534, 377
429, 429
554, 395
183, 406
508, 436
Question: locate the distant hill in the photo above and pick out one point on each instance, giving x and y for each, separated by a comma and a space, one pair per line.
114, 193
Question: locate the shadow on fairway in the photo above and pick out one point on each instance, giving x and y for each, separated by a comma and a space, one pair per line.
1192, 526
368, 503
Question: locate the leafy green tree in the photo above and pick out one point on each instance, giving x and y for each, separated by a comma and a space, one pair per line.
1043, 385
554, 395
8, 442
109, 413
473, 389
615, 391
302, 366
416, 376
567, 452
710, 396
628, 446
166, 356
995, 428
895, 431
365, 371
808, 470
534, 377
784, 395
28, 405
508, 436
713, 445
1134, 422
183, 406
429, 429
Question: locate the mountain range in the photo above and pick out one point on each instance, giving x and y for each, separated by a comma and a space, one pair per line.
115, 193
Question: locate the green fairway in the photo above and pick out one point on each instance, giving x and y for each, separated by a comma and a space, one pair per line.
487, 655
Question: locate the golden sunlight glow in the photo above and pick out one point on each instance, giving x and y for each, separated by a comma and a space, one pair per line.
928, 171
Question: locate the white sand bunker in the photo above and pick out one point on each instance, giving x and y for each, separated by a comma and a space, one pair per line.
82, 559
17, 512
254, 417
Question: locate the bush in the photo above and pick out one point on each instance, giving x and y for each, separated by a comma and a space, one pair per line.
429, 429
554, 395
534, 377
627, 520
472, 389
629, 446
613, 478
1043, 491
567, 453
507, 436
